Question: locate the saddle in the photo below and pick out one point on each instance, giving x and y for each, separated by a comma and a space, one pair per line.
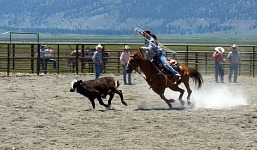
172, 62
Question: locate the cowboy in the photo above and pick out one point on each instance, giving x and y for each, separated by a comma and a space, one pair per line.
158, 54
218, 58
98, 60
234, 60
42, 59
48, 56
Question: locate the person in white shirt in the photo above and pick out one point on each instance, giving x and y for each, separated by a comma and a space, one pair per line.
48, 56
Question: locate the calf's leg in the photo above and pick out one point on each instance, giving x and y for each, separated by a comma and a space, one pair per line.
93, 103
119, 92
111, 94
101, 101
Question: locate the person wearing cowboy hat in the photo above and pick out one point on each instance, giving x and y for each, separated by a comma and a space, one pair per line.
98, 60
124, 58
43, 60
234, 59
218, 69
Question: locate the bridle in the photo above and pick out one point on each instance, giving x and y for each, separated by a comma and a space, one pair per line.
133, 65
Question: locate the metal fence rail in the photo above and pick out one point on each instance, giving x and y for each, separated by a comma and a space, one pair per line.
24, 57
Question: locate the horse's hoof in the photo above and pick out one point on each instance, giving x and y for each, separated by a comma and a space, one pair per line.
188, 102
182, 102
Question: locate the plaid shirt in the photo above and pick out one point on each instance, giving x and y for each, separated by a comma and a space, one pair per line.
97, 57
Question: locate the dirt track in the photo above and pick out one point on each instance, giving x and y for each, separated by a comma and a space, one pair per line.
39, 112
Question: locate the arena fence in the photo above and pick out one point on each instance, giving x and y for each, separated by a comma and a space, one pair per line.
24, 57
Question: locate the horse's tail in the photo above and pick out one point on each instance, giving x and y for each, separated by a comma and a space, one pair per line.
196, 76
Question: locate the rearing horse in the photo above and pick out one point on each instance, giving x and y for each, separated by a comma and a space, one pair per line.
159, 80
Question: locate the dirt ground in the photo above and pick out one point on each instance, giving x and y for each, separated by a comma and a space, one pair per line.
39, 112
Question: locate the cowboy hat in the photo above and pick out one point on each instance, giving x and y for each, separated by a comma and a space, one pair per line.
219, 49
234, 45
126, 47
99, 46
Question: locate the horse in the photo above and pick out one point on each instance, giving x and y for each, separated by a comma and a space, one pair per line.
72, 61
86, 58
159, 79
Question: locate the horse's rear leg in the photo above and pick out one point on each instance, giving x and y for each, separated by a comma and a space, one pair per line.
189, 92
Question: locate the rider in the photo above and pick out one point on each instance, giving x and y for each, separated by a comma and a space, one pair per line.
148, 40
157, 53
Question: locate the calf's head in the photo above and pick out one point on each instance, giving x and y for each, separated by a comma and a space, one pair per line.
74, 85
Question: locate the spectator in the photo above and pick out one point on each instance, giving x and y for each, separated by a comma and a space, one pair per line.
234, 60
218, 58
98, 60
124, 58
43, 60
48, 56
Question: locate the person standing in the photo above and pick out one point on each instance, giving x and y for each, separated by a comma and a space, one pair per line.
124, 58
48, 56
98, 60
234, 59
43, 60
218, 58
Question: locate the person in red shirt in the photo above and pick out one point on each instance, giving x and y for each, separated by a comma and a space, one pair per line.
218, 58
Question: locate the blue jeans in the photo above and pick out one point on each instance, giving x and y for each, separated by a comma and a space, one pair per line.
218, 70
98, 69
125, 75
43, 62
233, 68
54, 62
162, 58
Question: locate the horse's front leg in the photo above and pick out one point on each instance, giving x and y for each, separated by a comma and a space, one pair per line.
168, 101
181, 91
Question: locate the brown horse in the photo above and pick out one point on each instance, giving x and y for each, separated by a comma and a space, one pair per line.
159, 79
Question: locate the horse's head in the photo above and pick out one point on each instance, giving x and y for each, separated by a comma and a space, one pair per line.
106, 53
133, 62
74, 52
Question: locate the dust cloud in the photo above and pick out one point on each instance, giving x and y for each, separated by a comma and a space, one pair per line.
218, 97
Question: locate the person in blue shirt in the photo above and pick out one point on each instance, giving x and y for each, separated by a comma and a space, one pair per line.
98, 60
43, 60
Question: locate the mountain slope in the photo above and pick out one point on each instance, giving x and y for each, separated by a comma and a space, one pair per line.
121, 16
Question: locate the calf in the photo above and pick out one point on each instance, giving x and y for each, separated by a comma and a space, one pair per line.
99, 89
